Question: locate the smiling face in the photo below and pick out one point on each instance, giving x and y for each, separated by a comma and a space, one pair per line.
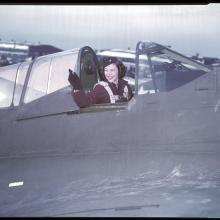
111, 73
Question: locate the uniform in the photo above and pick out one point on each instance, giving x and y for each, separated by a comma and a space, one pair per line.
103, 91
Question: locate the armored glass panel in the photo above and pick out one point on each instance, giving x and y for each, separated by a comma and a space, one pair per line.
7, 81
58, 78
21, 75
88, 70
38, 81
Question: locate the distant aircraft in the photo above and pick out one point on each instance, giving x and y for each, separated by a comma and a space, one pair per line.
12, 52
157, 155
209, 61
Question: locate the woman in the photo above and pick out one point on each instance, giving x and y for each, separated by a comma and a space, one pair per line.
111, 89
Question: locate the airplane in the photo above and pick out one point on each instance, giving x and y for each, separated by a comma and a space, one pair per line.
211, 61
154, 156
13, 52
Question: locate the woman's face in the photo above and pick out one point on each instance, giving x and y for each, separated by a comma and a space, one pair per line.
111, 73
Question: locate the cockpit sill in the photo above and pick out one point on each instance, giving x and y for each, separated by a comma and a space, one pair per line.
90, 109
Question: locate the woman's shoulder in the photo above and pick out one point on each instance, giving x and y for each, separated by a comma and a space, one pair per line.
123, 82
100, 90
100, 87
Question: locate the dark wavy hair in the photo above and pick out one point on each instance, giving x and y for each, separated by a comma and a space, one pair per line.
112, 60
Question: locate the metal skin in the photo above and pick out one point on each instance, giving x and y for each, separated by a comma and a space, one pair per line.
157, 155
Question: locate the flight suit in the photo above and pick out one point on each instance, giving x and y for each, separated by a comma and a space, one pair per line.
103, 92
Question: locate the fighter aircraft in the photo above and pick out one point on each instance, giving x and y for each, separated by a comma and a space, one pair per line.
157, 155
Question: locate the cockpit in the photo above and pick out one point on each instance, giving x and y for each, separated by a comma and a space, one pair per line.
154, 68
41, 87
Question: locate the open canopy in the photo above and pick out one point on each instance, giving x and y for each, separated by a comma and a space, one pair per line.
41, 87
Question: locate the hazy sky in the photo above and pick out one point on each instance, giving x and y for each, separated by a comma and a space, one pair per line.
187, 28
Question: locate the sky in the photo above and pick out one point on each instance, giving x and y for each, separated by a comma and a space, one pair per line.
189, 29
